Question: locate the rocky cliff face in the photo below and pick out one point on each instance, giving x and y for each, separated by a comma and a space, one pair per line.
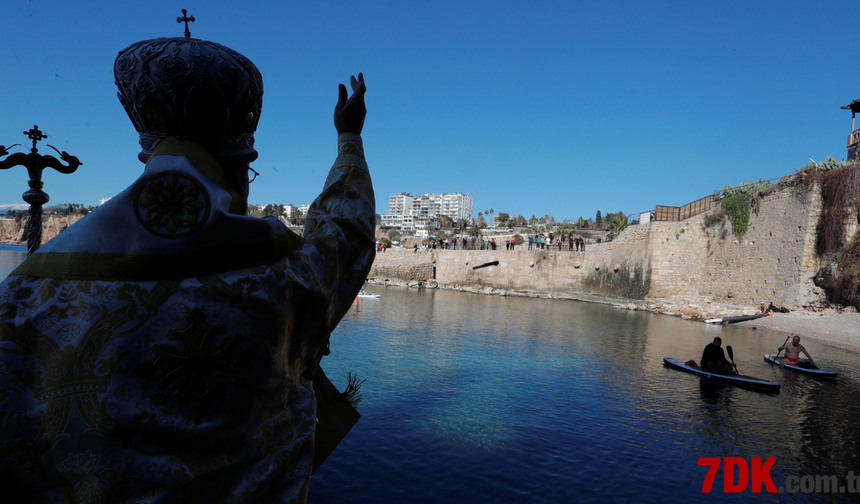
15, 232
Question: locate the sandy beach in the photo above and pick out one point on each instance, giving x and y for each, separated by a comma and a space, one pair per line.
837, 329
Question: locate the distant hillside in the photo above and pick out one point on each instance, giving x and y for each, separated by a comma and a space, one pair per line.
14, 206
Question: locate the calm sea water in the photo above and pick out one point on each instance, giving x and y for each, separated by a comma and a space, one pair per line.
10, 257
475, 399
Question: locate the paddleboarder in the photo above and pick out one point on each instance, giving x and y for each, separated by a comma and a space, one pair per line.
792, 353
714, 359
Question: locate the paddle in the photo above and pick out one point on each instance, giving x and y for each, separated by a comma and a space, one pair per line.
780, 350
732, 356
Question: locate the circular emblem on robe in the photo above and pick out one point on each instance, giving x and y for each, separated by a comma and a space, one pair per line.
171, 204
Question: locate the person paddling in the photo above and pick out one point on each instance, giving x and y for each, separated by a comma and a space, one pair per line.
792, 353
714, 359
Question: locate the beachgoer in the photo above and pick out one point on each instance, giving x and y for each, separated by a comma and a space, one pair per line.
714, 359
763, 309
792, 353
166, 347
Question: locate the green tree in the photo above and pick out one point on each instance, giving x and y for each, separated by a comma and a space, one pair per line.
598, 220
619, 223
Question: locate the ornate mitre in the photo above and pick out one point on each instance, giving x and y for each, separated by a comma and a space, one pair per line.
191, 88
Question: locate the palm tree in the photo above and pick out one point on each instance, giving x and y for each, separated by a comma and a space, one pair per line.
618, 224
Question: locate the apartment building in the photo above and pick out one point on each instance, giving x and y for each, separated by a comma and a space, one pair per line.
408, 212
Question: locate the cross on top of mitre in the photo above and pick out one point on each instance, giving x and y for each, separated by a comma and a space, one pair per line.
186, 19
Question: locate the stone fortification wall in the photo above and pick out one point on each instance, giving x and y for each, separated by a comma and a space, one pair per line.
403, 264
676, 252
775, 260
618, 269
601, 270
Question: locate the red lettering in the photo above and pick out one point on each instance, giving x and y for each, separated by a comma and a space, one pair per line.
712, 472
761, 474
729, 464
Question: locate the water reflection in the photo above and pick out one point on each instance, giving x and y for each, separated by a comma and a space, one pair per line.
491, 399
10, 257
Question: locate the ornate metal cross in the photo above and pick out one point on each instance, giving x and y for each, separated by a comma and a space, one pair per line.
35, 164
186, 19
35, 135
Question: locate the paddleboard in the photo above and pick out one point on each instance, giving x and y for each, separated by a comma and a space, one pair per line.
732, 320
816, 371
749, 382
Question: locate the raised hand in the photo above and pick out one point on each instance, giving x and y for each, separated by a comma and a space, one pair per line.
349, 113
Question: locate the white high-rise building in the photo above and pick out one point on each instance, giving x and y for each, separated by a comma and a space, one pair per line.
456, 206
400, 204
426, 206
289, 210
409, 212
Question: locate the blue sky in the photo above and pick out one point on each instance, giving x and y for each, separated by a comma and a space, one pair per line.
533, 108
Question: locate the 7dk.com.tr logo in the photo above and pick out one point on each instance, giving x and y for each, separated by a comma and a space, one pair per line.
738, 475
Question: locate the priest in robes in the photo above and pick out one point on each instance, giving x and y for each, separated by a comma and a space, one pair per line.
166, 347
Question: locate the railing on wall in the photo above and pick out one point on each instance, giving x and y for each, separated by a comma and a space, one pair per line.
669, 213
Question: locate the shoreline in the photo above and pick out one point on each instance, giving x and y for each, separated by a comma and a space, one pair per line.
841, 330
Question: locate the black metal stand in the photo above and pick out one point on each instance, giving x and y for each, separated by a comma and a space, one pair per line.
35, 164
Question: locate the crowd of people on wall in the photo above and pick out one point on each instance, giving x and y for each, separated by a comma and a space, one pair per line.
542, 241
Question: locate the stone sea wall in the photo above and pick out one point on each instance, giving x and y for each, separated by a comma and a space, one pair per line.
774, 262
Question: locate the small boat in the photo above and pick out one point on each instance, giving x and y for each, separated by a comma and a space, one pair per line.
799, 368
368, 295
731, 379
732, 320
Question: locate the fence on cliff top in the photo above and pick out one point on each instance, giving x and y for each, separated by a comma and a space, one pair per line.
672, 214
